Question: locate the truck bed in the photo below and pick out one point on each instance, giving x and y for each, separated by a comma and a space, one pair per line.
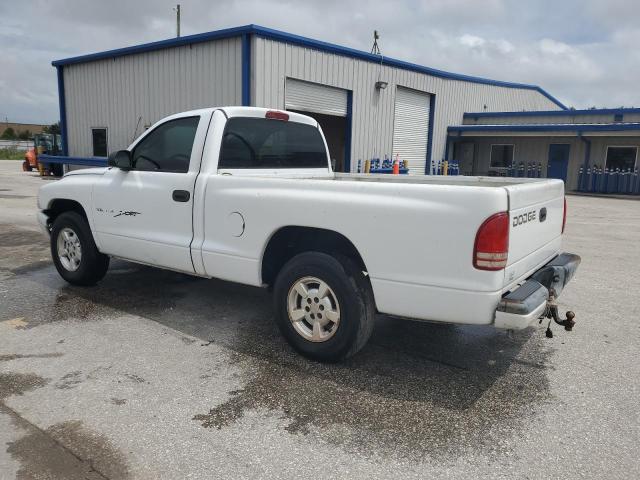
461, 181
452, 180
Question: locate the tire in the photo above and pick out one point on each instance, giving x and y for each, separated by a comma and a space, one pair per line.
86, 268
57, 169
348, 294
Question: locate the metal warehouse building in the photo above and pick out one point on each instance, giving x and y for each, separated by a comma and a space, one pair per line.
368, 105
559, 143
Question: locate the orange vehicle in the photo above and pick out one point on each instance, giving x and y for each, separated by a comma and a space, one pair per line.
43, 143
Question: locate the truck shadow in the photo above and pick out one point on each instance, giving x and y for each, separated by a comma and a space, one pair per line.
415, 389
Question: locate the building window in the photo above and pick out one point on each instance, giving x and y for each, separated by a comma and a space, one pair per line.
99, 137
501, 156
623, 158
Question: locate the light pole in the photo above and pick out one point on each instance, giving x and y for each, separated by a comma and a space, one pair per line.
177, 10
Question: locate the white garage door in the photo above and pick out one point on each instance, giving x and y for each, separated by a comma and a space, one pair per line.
313, 97
411, 128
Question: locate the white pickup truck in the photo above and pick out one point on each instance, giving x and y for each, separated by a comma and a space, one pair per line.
248, 195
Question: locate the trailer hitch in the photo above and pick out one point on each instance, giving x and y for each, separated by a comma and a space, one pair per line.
552, 313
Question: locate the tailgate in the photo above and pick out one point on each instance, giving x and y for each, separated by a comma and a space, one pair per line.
535, 230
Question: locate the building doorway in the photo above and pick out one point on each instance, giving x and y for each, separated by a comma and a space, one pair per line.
334, 129
558, 161
330, 107
411, 129
464, 154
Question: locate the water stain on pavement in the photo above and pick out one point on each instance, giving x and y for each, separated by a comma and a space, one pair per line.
70, 380
31, 267
395, 402
67, 450
12, 236
18, 383
416, 390
135, 378
141, 291
20, 247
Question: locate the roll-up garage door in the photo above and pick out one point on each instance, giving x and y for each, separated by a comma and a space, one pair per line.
313, 97
411, 128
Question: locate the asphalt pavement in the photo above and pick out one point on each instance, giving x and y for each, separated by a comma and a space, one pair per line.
154, 374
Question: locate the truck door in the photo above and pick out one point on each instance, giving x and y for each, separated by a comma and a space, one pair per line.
145, 214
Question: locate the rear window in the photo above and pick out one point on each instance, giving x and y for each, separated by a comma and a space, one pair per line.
264, 143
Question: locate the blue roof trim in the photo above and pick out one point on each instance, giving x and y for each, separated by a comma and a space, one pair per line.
85, 161
246, 70
302, 41
605, 127
542, 113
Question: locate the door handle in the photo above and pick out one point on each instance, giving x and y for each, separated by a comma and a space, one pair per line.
181, 195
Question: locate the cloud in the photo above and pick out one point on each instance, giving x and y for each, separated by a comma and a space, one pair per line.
580, 51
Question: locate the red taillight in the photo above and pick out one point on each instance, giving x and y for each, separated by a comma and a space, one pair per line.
276, 115
564, 214
491, 248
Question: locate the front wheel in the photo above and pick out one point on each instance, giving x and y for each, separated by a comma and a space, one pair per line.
324, 306
74, 252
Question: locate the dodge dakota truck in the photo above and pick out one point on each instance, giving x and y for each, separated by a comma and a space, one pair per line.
248, 195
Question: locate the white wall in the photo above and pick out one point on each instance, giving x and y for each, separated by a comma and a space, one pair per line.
273, 61
115, 92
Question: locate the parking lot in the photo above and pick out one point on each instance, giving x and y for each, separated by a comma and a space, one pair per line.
155, 374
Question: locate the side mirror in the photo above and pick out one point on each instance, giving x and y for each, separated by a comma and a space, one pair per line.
121, 159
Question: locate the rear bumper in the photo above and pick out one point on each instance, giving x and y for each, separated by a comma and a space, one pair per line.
523, 306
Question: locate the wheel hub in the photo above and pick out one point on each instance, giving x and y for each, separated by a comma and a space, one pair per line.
69, 249
313, 309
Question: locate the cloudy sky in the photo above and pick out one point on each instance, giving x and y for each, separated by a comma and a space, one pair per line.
583, 52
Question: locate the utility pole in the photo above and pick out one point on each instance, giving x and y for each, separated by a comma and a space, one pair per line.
177, 9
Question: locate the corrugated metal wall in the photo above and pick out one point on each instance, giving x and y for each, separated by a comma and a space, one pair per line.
536, 149
532, 150
274, 61
114, 93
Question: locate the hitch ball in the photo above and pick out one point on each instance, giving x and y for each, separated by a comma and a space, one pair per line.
569, 321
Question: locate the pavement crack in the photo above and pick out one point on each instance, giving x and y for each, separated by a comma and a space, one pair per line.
16, 356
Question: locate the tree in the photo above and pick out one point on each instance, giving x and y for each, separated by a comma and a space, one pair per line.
8, 134
54, 129
24, 135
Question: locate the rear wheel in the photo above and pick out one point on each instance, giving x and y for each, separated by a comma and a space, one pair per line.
324, 306
74, 252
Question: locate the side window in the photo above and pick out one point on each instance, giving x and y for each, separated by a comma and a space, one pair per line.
265, 143
168, 147
99, 139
